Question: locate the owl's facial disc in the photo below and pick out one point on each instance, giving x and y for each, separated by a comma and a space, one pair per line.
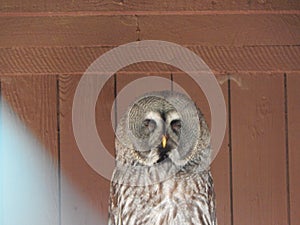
156, 128
162, 129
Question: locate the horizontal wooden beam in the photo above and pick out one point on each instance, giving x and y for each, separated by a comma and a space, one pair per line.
209, 30
136, 5
220, 30
67, 31
220, 59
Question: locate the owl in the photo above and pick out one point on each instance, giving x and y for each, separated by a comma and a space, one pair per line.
162, 174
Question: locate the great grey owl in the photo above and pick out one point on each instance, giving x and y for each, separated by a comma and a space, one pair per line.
162, 174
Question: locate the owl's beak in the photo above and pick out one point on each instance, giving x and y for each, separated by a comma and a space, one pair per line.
164, 141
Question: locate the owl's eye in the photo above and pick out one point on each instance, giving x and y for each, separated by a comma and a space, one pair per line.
176, 125
150, 124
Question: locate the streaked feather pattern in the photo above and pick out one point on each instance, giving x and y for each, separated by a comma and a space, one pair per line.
186, 196
177, 201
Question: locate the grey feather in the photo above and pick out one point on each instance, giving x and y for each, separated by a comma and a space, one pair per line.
157, 184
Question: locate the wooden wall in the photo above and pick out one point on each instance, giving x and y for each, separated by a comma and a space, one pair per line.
253, 47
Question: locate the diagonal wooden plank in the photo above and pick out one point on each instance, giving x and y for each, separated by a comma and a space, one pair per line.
29, 150
84, 195
220, 166
258, 150
135, 5
293, 109
221, 59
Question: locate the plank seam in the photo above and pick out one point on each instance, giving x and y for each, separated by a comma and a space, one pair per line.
108, 47
116, 103
230, 150
138, 29
172, 80
287, 149
115, 106
149, 13
1, 164
58, 147
241, 72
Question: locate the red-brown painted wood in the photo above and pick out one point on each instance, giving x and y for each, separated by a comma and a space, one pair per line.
293, 100
84, 193
258, 150
135, 5
207, 30
30, 166
75, 60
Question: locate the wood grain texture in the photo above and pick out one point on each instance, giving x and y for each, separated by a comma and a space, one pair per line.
124, 78
224, 30
220, 30
293, 94
220, 59
33, 99
220, 166
29, 150
258, 150
67, 31
135, 5
84, 198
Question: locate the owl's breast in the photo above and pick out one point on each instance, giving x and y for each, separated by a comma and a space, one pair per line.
174, 201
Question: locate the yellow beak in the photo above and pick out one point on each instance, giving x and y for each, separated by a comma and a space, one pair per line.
164, 141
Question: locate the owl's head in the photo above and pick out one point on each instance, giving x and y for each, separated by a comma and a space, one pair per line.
162, 127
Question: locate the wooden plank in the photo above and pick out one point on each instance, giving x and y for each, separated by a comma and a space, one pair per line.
67, 31
1, 157
225, 30
258, 150
135, 5
66, 60
293, 93
220, 30
29, 150
220, 166
84, 196
31, 97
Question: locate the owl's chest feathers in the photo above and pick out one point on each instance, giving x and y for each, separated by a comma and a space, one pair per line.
180, 193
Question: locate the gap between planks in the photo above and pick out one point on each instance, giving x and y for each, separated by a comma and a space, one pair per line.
58, 147
150, 13
230, 150
156, 73
287, 147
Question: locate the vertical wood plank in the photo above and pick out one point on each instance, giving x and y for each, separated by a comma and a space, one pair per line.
1, 164
293, 100
29, 151
258, 150
220, 166
84, 194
